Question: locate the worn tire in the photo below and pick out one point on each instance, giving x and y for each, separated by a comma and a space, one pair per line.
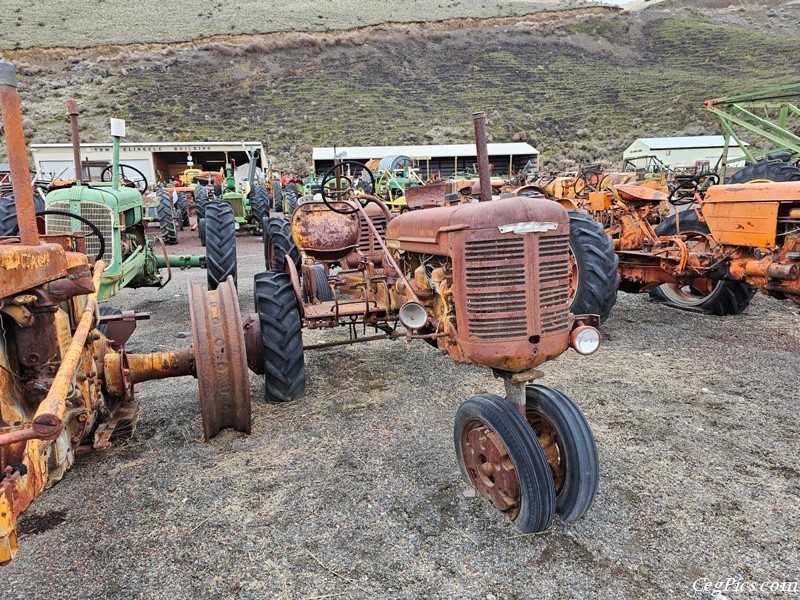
166, 217
279, 243
220, 229
8, 213
200, 201
774, 170
201, 231
537, 495
277, 196
259, 206
106, 310
596, 265
727, 297
218, 191
577, 448
182, 210
324, 292
291, 195
281, 337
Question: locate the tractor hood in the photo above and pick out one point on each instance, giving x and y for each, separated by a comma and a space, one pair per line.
426, 231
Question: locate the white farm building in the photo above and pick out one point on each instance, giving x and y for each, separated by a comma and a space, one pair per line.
702, 151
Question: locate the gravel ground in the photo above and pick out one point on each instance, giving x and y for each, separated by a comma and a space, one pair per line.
354, 491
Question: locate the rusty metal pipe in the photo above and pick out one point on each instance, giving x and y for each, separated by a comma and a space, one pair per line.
49, 416
72, 111
17, 155
479, 121
20, 435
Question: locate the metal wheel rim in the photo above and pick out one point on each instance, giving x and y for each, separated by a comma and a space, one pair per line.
220, 357
552, 445
701, 288
489, 466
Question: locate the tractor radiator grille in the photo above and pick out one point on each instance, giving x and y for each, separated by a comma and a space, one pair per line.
496, 288
99, 214
553, 279
366, 242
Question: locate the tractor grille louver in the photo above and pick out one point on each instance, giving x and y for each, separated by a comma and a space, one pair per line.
490, 265
553, 279
99, 214
501, 301
365, 240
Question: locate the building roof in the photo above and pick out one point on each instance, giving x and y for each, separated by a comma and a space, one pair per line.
421, 152
159, 145
687, 141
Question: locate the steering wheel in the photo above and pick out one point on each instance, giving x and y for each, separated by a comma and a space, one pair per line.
65, 213
136, 178
329, 197
695, 183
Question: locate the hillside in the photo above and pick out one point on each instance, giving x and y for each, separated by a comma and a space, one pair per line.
579, 84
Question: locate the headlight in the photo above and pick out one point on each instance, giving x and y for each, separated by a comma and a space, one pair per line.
584, 339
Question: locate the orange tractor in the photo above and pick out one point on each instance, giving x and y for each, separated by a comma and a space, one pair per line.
702, 246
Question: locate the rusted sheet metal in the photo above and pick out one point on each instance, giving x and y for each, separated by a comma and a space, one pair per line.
220, 358
17, 155
324, 234
252, 343
428, 195
24, 267
425, 230
640, 193
490, 467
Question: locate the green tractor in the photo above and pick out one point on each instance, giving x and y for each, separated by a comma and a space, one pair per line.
110, 215
249, 204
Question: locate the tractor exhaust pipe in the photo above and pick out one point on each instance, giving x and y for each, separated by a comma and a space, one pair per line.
479, 121
17, 155
72, 111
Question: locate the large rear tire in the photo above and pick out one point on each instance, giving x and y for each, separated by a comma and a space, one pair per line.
774, 170
166, 217
281, 337
201, 231
200, 201
8, 213
182, 210
291, 195
723, 298
220, 229
259, 203
279, 243
594, 277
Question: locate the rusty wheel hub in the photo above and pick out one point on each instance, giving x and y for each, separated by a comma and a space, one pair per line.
490, 467
220, 358
552, 445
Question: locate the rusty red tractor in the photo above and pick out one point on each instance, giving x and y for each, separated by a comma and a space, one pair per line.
487, 283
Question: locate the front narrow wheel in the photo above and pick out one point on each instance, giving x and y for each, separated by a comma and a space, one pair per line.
500, 456
569, 447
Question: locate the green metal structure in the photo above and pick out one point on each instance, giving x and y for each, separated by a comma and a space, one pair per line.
768, 113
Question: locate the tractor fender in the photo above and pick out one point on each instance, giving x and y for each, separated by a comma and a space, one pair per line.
291, 270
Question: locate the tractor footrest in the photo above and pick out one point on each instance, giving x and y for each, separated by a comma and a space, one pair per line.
330, 310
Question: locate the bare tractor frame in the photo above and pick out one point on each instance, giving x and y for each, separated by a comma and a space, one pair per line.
487, 283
